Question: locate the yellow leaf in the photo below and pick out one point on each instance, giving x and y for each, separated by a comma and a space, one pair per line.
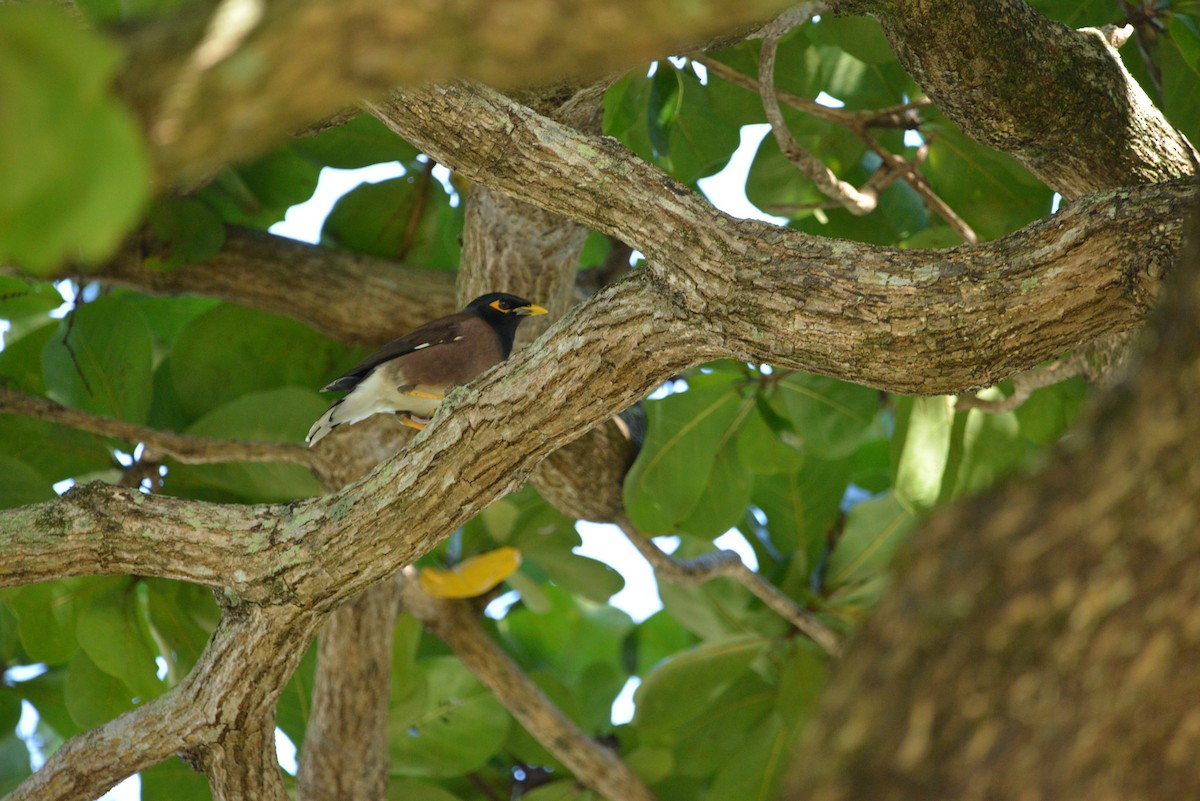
472, 577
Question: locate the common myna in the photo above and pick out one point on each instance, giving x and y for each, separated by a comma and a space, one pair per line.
411, 374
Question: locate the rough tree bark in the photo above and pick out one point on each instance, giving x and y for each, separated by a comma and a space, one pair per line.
947, 322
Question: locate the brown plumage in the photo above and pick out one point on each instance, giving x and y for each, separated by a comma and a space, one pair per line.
411, 374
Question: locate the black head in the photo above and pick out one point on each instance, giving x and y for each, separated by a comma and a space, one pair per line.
504, 313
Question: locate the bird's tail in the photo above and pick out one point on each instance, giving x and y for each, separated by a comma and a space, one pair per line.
325, 423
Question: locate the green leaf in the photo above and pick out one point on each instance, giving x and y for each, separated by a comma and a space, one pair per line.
991, 447
1049, 412
415, 790
54, 451
767, 442
259, 194
232, 351
111, 369
14, 759
923, 427
291, 713
375, 219
183, 617
802, 505
92, 696
1179, 58
702, 745
361, 142
685, 431
658, 637
547, 539
22, 485
462, 726
756, 763
192, 229
997, 194
75, 167
174, 780
874, 529
45, 692
46, 614
112, 632
275, 415
831, 416
728, 493
22, 298
562, 790
683, 687
861, 37
569, 637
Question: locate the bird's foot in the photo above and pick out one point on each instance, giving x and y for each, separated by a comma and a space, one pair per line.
413, 421
417, 393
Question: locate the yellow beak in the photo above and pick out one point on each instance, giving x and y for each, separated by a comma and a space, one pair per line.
530, 310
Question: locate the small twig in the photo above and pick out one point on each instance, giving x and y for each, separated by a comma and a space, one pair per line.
70, 350
187, 449
1025, 385
853, 200
727, 563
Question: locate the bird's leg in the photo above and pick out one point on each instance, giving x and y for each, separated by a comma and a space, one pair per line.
417, 393
412, 421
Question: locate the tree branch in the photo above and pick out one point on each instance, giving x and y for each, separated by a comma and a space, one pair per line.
204, 105
358, 299
1088, 127
186, 449
456, 623
975, 315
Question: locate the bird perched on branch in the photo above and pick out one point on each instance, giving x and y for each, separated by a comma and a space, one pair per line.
412, 374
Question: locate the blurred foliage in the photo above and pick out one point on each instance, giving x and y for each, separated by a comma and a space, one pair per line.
823, 479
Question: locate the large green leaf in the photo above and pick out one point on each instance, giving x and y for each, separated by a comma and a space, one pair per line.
100, 361
14, 758
874, 529
231, 351
569, 637
416, 790
461, 726
701, 745
683, 687
183, 617
92, 696
275, 415
685, 432
830, 416
21, 484
23, 298
756, 763
377, 218
802, 505
74, 164
991, 190
46, 613
724, 501
174, 780
112, 631
658, 637
1049, 411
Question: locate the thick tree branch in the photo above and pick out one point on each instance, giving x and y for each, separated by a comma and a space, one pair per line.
230, 695
186, 449
1060, 632
1058, 100
361, 300
967, 317
456, 622
344, 756
209, 93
